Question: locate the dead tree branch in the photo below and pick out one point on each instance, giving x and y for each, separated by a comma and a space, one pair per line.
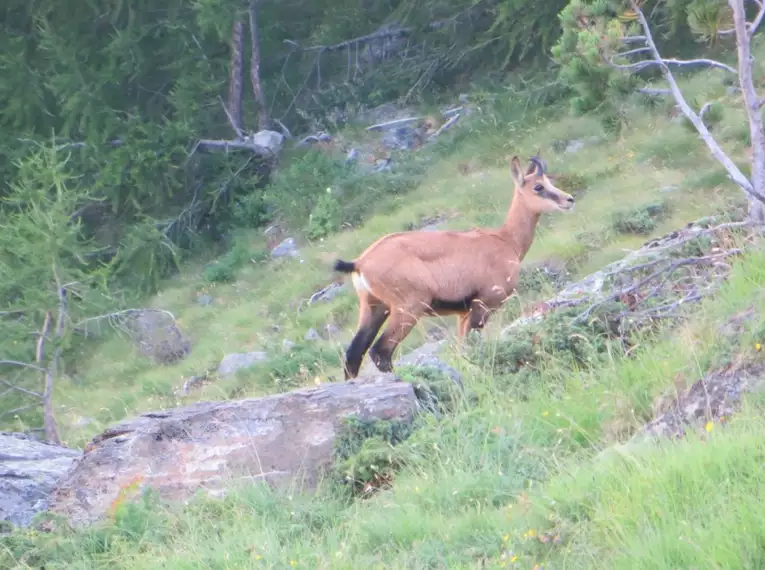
447, 125
19, 388
49, 421
48, 372
754, 188
389, 33
117, 318
751, 102
23, 365
640, 65
244, 144
654, 281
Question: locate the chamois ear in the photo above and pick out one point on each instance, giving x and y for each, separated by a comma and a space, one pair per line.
516, 171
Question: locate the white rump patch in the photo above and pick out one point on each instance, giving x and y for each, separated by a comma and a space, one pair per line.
360, 283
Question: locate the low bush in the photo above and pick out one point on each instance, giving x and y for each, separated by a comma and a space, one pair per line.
641, 220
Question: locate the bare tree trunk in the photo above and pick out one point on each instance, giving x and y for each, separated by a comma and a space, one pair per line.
49, 418
235, 77
756, 211
754, 186
257, 89
753, 108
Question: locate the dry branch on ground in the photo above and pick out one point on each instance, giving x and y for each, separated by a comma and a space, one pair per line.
657, 280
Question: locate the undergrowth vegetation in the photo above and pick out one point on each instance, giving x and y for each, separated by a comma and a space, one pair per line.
501, 481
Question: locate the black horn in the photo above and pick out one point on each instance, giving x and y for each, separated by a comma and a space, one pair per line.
540, 164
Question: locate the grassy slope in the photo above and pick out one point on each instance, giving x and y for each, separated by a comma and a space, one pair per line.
619, 174
480, 487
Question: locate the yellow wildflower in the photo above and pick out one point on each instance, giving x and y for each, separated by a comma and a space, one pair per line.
757, 347
709, 426
545, 413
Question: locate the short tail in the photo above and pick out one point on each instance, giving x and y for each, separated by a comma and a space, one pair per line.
344, 266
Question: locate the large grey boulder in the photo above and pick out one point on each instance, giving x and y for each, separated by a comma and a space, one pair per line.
29, 469
278, 439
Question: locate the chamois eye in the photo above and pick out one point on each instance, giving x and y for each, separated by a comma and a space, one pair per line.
538, 188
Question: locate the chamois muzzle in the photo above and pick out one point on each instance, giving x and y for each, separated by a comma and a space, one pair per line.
565, 202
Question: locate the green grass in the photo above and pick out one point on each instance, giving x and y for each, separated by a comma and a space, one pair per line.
481, 486
532, 456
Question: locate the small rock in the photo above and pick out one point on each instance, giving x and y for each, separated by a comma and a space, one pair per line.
288, 248
331, 330
239, 361
329, 292
204, 300
270, 140
402, 138
574, 146
352, 156
312, 334
82, 421
157, 335
427, 357
287, 345
192, 383
668, 189
435, 333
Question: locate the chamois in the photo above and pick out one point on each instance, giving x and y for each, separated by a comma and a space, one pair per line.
408, 275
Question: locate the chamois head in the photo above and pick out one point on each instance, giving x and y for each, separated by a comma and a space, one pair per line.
536, 189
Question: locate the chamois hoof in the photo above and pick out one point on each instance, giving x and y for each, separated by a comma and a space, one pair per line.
350, 374
384, 366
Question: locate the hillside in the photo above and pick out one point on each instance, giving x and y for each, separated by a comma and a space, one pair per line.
529, 474
610, 416
656, 162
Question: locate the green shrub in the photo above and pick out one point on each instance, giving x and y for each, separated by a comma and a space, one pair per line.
554, 339
364, 455
713, 115
326, 217
224, 270
250, 210
641, 220
296, 190
318, 194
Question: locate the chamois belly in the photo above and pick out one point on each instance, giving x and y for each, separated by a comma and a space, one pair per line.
493, 294
443, 307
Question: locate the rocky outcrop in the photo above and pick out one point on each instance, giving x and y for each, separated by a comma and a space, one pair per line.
208, 446
714, 398
29, 469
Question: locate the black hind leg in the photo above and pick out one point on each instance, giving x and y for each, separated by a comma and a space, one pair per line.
371, 319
